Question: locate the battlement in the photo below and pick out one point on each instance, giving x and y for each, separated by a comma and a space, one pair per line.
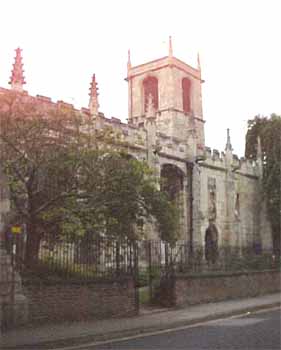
248, 166
62, 104
213, 155
238, 165
124, 132
44, 99
136, 136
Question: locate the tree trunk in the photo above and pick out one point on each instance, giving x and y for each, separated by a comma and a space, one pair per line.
276, 243
32, 246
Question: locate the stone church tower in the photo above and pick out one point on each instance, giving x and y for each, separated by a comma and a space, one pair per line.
212, 189
176, 91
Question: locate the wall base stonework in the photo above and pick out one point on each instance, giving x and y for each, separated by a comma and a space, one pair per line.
76, 301
189, 290
13, 303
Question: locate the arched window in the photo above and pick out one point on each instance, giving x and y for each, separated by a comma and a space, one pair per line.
150, 86
172, 181
186, 90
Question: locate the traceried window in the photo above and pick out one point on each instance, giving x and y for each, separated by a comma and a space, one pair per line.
150, 86
186, 93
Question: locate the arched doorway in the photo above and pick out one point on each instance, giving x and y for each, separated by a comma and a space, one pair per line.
172, 182
211, 244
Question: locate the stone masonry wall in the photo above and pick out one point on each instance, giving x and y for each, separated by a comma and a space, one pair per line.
239, 221
57, 301
189, 290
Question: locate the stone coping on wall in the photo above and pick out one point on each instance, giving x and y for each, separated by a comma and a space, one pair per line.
61, 281
214, 274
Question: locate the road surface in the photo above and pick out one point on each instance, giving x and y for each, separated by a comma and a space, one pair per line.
254, 331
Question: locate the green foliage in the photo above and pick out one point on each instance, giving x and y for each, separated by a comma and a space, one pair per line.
39, 155
144, 297
165, 212
269, 131
52, 270
67, 178
146, 274
117, 195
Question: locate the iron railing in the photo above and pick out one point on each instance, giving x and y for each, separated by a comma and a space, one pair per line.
88, 258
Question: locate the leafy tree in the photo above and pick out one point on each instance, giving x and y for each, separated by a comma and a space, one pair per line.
123, 195
65, 179
269, 131
38, 153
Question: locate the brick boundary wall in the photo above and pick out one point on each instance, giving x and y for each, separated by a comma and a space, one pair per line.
195, 289
76, 301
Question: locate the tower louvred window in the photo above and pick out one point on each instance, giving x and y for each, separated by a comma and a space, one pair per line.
186, 92
150, 86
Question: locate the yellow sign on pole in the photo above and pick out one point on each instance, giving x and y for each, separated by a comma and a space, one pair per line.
16, 229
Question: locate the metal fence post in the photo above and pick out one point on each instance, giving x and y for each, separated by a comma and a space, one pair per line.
136, 274
150, 269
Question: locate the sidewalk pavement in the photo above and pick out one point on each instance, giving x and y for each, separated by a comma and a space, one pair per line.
69, 334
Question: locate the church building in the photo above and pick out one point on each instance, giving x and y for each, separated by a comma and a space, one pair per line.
215, 191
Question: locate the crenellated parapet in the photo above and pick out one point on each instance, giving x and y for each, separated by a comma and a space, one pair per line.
249, 167
214, 158
127, 134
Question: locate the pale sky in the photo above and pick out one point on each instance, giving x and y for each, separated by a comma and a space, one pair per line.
65, 41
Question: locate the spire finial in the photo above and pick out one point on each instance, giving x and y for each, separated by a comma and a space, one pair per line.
170, 47
259, 150
198, 61
93, 103
228, 146
150, 110
259, 157
17, 79
129, 60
